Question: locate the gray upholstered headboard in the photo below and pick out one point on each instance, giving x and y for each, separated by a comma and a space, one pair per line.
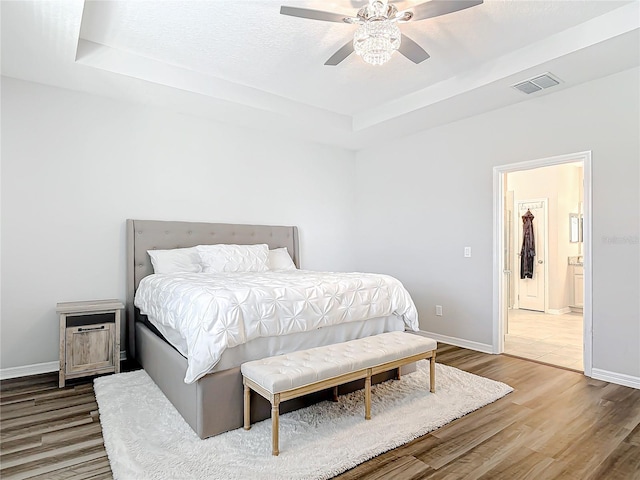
143, 235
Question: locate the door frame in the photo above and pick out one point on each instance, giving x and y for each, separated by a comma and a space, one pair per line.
545, 242
499, 284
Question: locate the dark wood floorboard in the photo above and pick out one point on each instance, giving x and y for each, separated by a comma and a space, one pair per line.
556, 424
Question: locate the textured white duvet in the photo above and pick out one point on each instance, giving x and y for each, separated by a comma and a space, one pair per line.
207, 313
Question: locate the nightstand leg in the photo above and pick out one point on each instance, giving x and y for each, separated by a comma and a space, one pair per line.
62, 350
116, 348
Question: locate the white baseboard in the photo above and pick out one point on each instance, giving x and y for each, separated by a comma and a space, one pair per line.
38, 368
559, 311
596, 373
26, 370
459, 342
617, 378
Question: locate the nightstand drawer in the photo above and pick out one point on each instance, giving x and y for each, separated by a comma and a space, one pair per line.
79, 320
90, 348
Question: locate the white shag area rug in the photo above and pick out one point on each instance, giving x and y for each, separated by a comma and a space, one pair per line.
146, 438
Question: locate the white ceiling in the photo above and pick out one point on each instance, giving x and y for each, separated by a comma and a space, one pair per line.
243, 63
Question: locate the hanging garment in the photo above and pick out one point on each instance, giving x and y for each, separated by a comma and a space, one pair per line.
528, 251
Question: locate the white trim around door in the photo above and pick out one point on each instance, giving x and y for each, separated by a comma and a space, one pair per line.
499, 285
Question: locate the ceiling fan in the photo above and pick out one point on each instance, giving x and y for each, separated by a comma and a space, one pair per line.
378, 34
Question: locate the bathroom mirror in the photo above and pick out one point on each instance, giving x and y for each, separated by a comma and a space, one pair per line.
575, 228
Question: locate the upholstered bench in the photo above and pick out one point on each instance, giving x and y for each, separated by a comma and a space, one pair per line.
299, 373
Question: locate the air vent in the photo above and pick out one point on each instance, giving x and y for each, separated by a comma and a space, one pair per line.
537, 83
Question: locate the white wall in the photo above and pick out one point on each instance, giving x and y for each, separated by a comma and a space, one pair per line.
420, 201
75, 166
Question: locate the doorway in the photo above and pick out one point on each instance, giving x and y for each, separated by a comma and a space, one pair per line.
544, 316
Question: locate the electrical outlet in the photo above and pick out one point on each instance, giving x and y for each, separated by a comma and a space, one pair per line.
467, 252
439, 310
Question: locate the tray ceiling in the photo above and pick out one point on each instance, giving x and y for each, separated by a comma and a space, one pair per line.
244, 63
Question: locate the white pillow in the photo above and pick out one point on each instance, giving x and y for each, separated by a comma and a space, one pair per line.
279, 259
234, 258
176, 260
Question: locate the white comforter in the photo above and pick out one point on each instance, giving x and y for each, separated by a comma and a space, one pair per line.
207, 313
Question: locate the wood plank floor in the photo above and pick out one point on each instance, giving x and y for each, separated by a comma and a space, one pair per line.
557, 424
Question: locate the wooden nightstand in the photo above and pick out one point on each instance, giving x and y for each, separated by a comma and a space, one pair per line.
89, 338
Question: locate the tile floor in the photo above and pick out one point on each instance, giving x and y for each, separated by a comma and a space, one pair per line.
554, 339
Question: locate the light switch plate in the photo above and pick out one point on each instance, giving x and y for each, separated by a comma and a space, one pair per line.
467, 252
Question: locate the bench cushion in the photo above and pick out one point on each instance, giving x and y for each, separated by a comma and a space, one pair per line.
293, 370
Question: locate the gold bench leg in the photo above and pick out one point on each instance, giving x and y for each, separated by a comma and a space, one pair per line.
367, 396
247, 407
432, 373
275, 412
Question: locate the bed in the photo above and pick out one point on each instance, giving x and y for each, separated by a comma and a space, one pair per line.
213, 403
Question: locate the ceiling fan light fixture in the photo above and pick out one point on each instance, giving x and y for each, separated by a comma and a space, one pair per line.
376, 40
378, 35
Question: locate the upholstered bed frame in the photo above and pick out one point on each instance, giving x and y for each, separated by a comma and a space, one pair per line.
213, 404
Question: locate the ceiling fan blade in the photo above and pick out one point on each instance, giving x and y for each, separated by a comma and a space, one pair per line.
340, 55
412, 50
313, 14
435, 8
